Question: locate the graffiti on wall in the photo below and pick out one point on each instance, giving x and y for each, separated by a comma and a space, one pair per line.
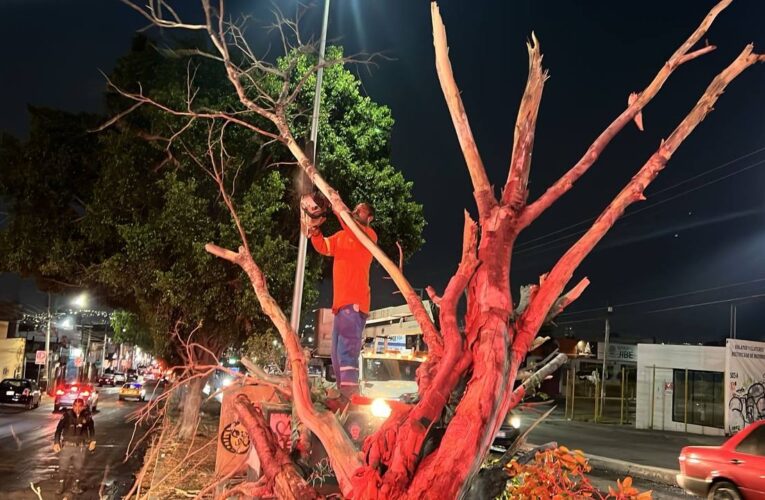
746, 405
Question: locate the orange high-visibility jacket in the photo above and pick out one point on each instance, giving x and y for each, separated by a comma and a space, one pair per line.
350, 270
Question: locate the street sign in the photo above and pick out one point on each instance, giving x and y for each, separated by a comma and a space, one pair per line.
40, 357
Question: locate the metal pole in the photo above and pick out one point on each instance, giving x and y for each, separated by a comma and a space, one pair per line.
297, 294
597, 400
685, 404
86, 361
605, 359
621, 413
568, 392
47, 350
653, 394
103, 354
573, 392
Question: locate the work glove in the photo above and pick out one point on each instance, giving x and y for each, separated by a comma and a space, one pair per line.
56, 447
92, 446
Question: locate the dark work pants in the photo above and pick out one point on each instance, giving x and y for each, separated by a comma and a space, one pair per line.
71, 455
346, 347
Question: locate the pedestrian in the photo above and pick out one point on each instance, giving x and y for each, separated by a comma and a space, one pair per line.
350, 294
73, 439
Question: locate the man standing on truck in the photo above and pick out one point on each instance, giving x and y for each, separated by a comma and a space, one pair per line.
350, 294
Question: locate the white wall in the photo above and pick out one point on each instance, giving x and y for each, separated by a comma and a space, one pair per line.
666, 358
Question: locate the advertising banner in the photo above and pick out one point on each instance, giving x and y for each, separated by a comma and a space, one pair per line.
744, 383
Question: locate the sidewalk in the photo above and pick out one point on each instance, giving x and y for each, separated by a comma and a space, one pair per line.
621, 448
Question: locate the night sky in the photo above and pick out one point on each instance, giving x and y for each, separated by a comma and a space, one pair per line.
701, 230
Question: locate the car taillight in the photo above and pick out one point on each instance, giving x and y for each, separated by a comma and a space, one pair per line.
85, 393
59, 392
25, 392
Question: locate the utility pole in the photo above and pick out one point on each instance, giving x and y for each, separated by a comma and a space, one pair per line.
47, 349
733, 318
609, 310
103, 354
297, 295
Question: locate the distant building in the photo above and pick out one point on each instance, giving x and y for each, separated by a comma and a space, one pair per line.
700, 389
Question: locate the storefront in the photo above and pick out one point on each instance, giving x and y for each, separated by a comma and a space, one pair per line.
700, 389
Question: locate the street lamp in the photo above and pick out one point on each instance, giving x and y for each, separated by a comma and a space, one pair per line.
297, 295
81, 301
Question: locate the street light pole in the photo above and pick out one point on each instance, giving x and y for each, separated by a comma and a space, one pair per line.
605, 359
297, 295
103, 354
47, 350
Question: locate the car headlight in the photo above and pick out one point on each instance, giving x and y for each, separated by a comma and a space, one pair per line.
380, 408
515, 421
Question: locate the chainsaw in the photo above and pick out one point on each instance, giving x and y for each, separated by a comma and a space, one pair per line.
313, 212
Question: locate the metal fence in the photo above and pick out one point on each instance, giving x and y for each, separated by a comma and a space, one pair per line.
617, 404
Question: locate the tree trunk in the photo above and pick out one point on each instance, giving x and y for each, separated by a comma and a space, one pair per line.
191, 404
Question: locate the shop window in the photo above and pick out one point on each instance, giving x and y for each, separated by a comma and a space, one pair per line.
705, 398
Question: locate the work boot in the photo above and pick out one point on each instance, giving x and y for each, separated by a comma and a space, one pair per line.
77, 489
61, 487
348, 391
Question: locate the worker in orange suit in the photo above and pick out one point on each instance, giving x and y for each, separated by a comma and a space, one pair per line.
350, 294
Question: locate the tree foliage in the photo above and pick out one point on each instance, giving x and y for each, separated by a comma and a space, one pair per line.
126, 214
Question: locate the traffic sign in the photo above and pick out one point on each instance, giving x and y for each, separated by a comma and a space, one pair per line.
40, 357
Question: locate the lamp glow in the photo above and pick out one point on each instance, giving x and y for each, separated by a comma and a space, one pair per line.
380, 408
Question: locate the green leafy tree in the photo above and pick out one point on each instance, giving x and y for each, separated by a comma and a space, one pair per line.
127, 216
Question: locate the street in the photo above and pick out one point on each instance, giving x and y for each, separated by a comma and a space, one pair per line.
26, 454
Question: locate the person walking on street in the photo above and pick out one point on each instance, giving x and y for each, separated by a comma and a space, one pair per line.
73, 439
350, 294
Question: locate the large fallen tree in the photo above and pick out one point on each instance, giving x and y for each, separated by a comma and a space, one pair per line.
473, 371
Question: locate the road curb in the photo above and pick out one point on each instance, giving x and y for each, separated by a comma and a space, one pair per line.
655, 474
622, 467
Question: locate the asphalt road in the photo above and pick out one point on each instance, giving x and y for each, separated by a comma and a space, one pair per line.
26, 453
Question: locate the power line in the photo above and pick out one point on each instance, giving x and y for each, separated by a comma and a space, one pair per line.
669, 188
641, 209
667, 309
666, 297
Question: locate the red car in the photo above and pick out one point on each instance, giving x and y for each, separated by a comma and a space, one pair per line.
67, 393
733, 470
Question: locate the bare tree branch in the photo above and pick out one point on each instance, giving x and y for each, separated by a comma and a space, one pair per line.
566, 182
516, 188
561, 273
484, 196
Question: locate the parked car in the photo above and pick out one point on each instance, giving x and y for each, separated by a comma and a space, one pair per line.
106, 379
67, 393
132, 390
119, 378
20, 391
734, 470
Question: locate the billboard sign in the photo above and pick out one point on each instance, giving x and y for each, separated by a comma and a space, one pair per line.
619, 352
744, 383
